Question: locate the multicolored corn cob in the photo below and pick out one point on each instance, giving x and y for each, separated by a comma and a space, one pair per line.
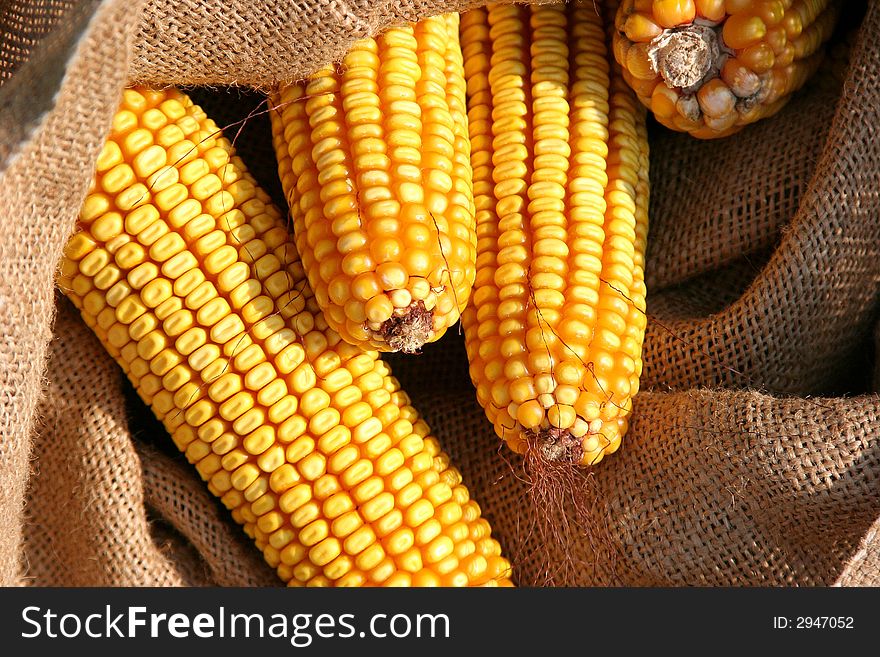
709, 67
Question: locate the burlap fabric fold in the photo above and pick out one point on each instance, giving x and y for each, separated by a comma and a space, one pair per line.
754, 452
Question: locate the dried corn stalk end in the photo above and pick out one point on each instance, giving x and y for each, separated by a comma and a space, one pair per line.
555, 444
556, 322
410, 329
186, 272
374, 159
710, 67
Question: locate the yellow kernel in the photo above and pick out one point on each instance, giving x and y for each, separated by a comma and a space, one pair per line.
337, 504
156, 292
295, 497
360, 540
427, 531
305, 514
418, 513
339, 568
283, 478
291, 429
236, 405
312, 466
440, 548
213, 311
741, 31
293, 553
166, 246
269, 522
117, 178
244, 476
280, 538
426, 578
383, 571
302, 379
106, 227
314, 532
284, 405
377, 507
111, 154
392, 276
259, 440
669, 13
325, 420
313, 401
273, 392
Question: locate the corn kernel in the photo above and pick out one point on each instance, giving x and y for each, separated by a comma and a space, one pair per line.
190, 278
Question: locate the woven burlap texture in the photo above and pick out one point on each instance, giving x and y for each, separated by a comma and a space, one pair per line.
753, 455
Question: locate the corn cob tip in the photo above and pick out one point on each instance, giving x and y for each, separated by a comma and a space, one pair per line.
711, 67
686, 56
408, 331
555, 445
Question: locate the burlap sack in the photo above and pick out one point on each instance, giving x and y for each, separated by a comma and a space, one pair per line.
753, 455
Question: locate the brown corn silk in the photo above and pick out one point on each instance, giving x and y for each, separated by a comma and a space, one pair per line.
752, 457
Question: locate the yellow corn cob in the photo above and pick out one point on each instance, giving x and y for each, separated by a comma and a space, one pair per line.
185, 271
374, 160
710, 67
555, 326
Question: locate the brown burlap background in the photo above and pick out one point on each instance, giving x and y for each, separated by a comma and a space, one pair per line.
754, 451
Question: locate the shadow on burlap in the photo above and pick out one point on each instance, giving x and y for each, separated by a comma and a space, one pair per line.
753, 456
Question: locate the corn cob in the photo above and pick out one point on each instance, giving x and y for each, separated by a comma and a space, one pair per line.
374, 161
185, 271
559, 152
710, 67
